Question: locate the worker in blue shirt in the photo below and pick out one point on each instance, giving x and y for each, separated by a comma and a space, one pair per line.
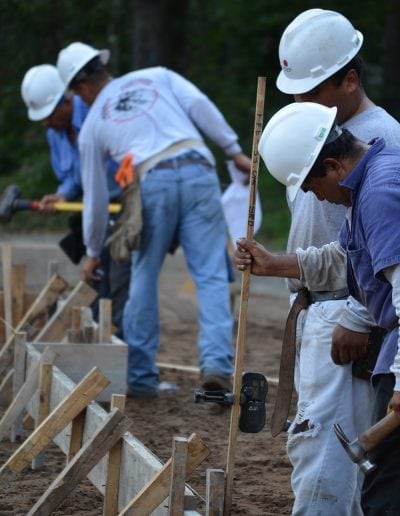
63, 115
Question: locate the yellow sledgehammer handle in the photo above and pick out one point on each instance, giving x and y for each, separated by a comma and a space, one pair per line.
78, 206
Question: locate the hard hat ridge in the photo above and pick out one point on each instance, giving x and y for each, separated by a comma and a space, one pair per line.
313, 47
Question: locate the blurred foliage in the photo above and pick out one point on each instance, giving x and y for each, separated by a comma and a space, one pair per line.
220, 45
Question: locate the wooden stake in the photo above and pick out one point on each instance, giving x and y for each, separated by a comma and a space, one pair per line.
105, 322
178, 475
110, 507
47, 297
18, 380
55, 329
80, 466
215, 485
153, 493
75, 441
24, 395
86, 390
244, 297
7, 288
44, 393
18, 292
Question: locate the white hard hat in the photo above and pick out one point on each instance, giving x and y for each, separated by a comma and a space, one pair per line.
313, 47
75, 56
292, 141
41, 90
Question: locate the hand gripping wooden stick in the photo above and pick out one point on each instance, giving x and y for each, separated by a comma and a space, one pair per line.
244, 296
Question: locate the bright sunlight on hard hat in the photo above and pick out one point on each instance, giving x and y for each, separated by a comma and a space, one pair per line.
292, 141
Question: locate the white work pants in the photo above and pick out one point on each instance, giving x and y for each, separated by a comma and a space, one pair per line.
324, 480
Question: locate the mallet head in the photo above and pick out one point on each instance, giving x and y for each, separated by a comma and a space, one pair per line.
7, 200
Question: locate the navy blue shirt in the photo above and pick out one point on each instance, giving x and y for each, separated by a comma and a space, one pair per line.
373, 240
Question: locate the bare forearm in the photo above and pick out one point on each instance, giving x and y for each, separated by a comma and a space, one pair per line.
251, 254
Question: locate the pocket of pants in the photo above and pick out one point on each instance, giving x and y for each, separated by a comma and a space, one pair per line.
207, 198
154, 205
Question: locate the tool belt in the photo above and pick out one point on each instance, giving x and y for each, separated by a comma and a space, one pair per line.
364, 367
126, 232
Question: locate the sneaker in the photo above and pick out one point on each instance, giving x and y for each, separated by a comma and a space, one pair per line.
214, 381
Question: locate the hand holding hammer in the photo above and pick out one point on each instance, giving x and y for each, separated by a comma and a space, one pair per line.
357, 449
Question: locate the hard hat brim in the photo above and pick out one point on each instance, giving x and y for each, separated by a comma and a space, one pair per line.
292, 190
40, 114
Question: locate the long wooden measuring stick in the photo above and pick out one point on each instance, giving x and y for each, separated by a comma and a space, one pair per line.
244, 297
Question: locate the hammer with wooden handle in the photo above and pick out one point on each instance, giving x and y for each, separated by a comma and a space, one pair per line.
357, 449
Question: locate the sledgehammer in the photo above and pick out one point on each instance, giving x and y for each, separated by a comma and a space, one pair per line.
357, 449
10, 203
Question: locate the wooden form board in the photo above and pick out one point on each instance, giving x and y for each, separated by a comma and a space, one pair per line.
76, 360
138, 464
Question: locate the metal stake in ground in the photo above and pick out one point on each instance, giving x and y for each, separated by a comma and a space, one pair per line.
244, 297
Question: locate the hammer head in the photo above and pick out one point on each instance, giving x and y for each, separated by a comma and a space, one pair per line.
354, 450
7, 200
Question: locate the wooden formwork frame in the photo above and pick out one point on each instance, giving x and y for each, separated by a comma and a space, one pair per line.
142, 482
129, 476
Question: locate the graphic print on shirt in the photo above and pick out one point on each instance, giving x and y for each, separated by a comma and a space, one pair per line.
134, 100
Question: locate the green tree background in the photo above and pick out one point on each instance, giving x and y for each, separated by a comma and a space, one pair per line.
220, 45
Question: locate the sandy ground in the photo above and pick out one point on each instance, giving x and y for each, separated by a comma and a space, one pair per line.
262, 472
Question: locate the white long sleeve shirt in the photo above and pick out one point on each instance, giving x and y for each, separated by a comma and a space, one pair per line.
143, 112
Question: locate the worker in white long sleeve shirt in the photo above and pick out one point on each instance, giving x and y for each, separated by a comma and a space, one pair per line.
336, 167
155, 115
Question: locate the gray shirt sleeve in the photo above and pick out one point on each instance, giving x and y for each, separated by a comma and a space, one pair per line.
323, 268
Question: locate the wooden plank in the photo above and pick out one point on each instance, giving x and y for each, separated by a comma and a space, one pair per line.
18, 380
26, 392
69, 408
44, 392
18, 291
138, 464
74, 334
58, 324
110, 506
105, 321
156, 490
6, 256
178, 475
101, 441
75, 443
47, 297
215, 490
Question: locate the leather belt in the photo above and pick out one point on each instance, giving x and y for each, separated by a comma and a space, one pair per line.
328, 295
189, 158
286, 368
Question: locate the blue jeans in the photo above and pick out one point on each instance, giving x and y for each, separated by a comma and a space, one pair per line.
181, 200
